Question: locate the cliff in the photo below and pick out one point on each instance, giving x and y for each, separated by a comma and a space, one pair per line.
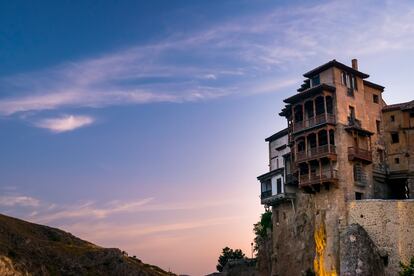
32, 249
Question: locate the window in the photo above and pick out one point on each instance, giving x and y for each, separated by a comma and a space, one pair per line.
343, 78
360, 177
411, 114
395, 138
352, 112
378, 123
375, 98
279, 186
358, 196
392, 118
316, 80
397, 160
349, 80
277, 163
353, 83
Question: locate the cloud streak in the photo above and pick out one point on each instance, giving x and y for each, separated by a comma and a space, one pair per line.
239, 56
65, 123
19, 201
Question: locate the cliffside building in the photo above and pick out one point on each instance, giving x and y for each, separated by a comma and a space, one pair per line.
342, 144
278, 184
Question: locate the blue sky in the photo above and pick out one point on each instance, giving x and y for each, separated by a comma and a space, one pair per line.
148, 120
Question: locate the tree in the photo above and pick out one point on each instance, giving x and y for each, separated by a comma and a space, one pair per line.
260, 228
407, 270
228, 254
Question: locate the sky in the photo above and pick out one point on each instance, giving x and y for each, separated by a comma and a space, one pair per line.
141, 125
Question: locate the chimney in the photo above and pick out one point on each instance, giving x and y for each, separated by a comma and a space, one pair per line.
355, 64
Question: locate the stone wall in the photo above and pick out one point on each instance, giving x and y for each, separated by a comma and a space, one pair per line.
390, 224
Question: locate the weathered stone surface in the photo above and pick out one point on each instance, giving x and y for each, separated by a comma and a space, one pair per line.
293, 240
264, 255
390, 225
358, 253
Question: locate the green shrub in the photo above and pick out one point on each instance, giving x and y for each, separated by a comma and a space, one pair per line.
228, 254
407, 270
260, 229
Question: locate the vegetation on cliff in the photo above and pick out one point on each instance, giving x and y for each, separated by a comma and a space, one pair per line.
407, 269
262, 228
27, 248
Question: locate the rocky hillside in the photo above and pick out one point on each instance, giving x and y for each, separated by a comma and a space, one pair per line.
31, 249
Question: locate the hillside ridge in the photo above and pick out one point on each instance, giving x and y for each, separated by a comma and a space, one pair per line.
32, 249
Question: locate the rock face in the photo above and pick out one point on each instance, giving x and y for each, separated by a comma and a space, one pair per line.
264, 255
293, 237
31, 249
358, 253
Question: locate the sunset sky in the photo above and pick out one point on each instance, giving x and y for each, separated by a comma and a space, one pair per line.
141, 125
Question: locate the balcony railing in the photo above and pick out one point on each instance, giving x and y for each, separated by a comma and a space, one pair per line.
316, 152
266, 194
358, 153
314, 121
316, 178
272, 200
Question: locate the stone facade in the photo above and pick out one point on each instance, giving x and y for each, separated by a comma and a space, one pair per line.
399, 140
390, 224
339, 153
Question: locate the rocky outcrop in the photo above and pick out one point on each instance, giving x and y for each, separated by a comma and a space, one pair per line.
31, 249
293, 237
358, 253
264, 254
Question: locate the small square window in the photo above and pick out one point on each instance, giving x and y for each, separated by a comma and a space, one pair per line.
397, 160
392, 118
316, 80
395, 138
375, 98
358, 196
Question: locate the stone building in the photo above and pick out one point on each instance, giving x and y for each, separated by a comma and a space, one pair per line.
278, 184
399, 141
340, 145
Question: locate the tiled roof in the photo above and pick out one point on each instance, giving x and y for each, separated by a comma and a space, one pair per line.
337, 64
399, 106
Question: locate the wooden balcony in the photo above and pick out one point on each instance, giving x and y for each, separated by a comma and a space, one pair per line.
315, 153
314, 121
327, 176
363, 155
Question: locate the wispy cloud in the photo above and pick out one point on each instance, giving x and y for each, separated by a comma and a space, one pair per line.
50, 212
105, 230
19, 201
238, 56
88, 210
65, 123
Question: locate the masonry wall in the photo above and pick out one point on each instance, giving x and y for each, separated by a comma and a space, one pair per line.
390, 224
